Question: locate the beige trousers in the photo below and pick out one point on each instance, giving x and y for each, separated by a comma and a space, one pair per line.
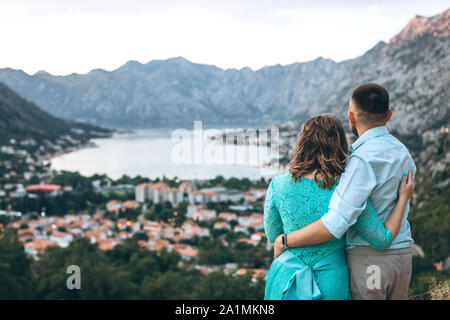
379, 275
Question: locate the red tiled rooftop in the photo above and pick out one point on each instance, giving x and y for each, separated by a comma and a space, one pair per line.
189, 252
161, 244
131, 204
40, 244
241, 271
160, 185
43, 187
144, 185
25, 232
221, 224
107, 244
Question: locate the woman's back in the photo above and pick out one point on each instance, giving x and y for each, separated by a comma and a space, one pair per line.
300, 203
291, 206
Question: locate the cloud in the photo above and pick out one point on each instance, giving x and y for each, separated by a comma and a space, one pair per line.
62, 36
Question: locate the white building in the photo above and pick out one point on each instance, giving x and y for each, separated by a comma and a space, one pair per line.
198, 197
193, 208
37, 245
174, 196
191, 229
186, 187
159, 192
240, 228
142, 192
205, 215
61, 238
246, 221
228, 216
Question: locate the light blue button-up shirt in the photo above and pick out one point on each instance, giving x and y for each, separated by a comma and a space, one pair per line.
374, 171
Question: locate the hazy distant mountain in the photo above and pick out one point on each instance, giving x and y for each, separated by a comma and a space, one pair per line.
21, 119
414, 66
174, 92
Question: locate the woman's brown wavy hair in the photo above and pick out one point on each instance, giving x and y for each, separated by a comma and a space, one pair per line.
322, 146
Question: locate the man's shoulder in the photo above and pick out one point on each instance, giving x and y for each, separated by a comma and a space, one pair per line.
384, 146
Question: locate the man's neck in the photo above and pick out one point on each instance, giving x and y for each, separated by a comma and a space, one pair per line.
362, 129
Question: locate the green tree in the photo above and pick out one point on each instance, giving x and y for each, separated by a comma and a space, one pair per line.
218, 285
99, 278
171, 285
15, 274
214, 253
140, 236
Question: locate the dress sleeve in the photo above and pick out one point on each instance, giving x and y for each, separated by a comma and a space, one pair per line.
371, 228
272, 220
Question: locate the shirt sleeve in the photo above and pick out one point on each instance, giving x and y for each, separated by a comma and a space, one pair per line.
272, 220
349, 199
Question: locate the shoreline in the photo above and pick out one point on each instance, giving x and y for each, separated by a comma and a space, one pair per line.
251, 171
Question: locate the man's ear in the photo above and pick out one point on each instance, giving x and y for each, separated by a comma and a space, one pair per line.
351, 117
389, 115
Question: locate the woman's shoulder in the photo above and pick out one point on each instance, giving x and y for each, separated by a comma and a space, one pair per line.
284, 180
281, 180
283, 177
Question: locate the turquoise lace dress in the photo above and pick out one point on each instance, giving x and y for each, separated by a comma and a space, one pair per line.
290, 206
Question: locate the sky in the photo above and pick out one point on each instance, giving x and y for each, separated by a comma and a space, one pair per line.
76, 36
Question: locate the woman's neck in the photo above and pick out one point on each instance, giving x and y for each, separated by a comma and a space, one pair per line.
310, 175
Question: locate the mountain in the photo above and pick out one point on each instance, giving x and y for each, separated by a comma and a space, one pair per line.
22, 119
173, 92
438, 26
413, 66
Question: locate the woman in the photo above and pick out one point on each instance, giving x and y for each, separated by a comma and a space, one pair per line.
297, 198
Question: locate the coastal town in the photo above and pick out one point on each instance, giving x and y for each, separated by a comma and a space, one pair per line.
213, 226
43, 231
171, 215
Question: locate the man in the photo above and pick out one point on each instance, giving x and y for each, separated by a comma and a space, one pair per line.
374, 170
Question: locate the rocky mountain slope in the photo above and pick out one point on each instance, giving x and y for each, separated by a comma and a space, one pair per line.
414, 66
21, 119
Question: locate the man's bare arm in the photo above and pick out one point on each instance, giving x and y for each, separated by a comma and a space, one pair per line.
311, 234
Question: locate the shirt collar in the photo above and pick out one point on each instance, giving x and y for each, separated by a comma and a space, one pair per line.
368, 135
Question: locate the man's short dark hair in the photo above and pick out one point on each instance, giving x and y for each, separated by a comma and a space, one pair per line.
373, 100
